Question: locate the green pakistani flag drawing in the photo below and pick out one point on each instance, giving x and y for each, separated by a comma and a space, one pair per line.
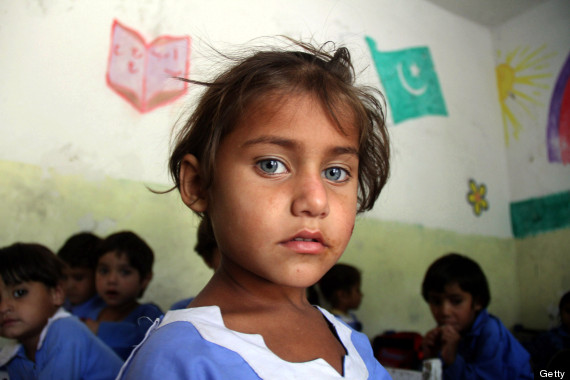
410, 82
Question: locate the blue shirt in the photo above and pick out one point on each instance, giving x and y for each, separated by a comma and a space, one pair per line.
89, 309
123, 336
67, 350
182, 304
195, 344
489, 351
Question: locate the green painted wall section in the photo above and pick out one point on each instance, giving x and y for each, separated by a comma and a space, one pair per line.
46, 207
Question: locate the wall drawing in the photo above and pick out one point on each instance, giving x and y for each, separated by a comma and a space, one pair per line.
142, 73
558, 125
410, 82
476, 197
521, 82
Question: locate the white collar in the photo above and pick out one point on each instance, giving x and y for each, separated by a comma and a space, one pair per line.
209, 323
11, 349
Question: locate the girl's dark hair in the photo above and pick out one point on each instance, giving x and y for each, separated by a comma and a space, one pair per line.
564, 300
454, 268
206, 241
138, 252
339, 277
326, 73
23, 262
79, 250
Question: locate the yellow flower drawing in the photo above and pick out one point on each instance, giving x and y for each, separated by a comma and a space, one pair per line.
476, 197
521, 81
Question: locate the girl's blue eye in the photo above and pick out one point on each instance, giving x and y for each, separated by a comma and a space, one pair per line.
18, 293
335, 174
271, 166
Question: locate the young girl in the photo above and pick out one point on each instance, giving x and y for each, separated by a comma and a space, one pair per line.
124, 270
280, 154
51, 343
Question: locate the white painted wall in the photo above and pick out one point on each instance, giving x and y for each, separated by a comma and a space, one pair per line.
56, 110
530, 173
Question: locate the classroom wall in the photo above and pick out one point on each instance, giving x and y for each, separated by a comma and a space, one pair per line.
75, 156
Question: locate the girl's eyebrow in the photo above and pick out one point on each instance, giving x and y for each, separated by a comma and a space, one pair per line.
291, 144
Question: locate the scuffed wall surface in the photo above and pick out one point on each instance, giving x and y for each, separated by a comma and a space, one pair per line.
543, 276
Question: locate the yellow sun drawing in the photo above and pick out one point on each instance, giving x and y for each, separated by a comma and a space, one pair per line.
520, 79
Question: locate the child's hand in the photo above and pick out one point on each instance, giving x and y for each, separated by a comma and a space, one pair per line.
449, 341
93, 325
431, 343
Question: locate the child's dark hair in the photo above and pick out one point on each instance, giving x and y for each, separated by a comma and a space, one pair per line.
325, 73
79, 250
138, 252
564, 300
206, 241
454, 268
339, 277
23, 262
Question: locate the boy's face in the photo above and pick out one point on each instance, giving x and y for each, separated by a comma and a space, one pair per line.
79, 284
117, 282
284, 197
25, 309
453, 307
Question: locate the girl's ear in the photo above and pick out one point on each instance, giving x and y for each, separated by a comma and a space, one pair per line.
477, 305
57, 295
191, 189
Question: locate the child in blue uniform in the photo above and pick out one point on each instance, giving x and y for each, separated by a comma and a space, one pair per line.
49, 343
340, 286
124, 270
281, 152
208, 250
472, 343
81, 298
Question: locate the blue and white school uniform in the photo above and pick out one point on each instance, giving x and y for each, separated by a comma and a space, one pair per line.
124, 335
195, 344
67, 350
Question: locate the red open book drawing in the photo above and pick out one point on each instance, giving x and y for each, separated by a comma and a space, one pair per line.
143, 73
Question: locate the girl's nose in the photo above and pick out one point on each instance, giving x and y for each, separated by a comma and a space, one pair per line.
310, 196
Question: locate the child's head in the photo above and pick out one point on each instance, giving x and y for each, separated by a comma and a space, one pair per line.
456, 290
271, 77
564, 311
30, 290
206, 245
124, 268
281, 152
340, 286
79, 253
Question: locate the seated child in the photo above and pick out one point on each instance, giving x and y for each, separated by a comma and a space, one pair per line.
124, 270
207, 248
472, 343
51, 343
340, 286
81, 298
280, 154
546, 345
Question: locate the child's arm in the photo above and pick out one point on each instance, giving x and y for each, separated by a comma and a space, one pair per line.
442, 341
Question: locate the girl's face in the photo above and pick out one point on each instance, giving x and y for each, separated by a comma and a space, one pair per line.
117, 282
284, 196
453, 307
25, 309
79, 284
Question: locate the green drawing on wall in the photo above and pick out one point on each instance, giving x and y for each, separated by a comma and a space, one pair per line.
476, 197
543, 214
410, 81
520, 81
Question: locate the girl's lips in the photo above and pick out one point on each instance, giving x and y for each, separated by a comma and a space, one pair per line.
306, 242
